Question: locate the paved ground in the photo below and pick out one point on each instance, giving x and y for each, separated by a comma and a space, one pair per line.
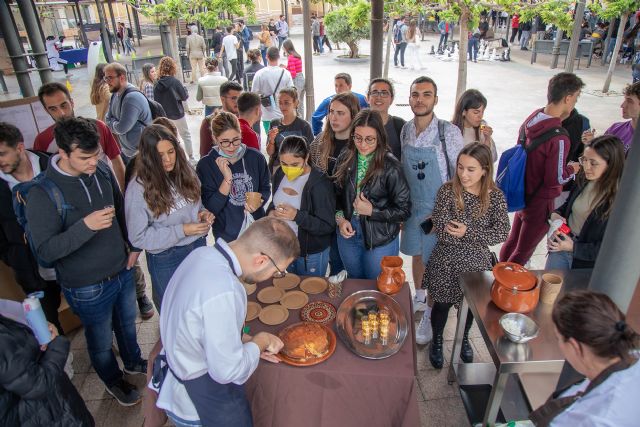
513, 90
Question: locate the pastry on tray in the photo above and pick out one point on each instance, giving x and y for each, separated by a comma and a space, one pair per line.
305, 341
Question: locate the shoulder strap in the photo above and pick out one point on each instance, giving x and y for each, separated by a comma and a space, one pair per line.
536, 142
441, 135
275, 91
56, 196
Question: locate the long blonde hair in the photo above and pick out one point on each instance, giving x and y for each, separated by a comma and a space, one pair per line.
482, 154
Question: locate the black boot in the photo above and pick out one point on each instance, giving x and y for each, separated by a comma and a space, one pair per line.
466, 351
435, 352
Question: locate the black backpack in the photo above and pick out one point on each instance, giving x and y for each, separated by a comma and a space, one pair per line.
156, 108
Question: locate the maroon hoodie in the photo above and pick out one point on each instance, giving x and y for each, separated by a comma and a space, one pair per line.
547, 170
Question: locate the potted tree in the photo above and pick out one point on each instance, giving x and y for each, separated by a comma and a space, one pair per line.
350, 24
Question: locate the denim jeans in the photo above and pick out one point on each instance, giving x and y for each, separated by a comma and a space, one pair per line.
400, 48
561, 260
311, 265
105, 308
164, 264
473, 48
443, 41
362, 263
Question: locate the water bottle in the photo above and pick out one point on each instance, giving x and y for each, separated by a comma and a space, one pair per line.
35, 318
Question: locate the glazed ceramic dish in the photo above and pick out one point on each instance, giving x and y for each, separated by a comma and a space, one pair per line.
274, 314
250, 287
311, 360
287, 282
314, 285
318, 312
253, 310
349, 324
270, 294
294, 300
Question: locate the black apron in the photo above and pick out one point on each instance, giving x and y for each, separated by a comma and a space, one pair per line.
554, 406
216, 404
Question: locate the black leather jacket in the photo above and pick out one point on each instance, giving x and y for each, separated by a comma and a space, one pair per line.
389, 194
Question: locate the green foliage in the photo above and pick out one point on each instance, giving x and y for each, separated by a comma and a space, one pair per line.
615, 8
207, 12
349, 24
556, 12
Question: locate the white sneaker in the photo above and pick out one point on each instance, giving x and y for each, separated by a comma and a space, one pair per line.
423, 331
419, 305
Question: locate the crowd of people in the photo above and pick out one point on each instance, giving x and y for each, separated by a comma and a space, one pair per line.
354, 185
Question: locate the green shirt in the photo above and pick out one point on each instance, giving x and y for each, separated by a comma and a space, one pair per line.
363, 166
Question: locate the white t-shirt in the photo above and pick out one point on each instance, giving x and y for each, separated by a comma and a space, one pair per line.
229, 42
265, 82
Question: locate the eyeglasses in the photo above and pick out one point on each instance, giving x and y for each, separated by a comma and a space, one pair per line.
420, 167
233, 98
380, 94
226, 143
370, 140
108, 78
592, 163
279, 274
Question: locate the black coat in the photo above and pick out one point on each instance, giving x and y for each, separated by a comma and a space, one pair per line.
14, 251
390, 196
587, 244
34, 389
316, 216
170, 93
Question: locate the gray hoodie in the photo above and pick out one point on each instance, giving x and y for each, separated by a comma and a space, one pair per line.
82, 257
156, 235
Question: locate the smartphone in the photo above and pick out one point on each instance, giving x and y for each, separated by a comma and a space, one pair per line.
427, 226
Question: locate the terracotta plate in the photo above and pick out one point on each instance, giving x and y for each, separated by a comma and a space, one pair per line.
314, 360
253, 310
314, 285
273, 314
270, 295
250, 287
294, 300
318, 312
287, 282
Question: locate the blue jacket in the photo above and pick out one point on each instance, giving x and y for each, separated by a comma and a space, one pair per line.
250, 173
323, 110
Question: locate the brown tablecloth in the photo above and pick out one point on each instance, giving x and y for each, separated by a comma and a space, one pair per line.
345, 390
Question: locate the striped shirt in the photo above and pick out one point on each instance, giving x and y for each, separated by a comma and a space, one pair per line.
294, 66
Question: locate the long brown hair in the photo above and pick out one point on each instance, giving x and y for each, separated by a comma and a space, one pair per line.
611, 149
160, 186
411, 32
350, 101
470, 99
97, 84
365, 118
482, 154
594, 320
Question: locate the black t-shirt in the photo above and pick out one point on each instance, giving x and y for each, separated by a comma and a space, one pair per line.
393, 129
338, 146
298, 127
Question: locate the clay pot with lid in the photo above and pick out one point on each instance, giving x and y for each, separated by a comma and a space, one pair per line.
515, 289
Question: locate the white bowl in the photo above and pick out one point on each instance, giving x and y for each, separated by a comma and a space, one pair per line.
518, 327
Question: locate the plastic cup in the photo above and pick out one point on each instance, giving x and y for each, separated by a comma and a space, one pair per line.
551, 286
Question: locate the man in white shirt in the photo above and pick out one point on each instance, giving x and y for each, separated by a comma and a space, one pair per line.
268, 82
230, 45
208, 355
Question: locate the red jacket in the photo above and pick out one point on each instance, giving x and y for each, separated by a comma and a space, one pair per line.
547, 170
249, 136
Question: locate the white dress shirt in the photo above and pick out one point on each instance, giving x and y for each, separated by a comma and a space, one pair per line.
203, 312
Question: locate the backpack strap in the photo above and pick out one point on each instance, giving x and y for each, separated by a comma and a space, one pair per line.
441, 135
537, 142
55, 195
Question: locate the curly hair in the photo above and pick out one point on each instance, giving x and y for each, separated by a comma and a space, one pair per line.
222, 122
167, 67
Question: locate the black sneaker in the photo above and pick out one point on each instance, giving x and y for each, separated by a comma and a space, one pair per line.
146, 307
138, 368
126, 394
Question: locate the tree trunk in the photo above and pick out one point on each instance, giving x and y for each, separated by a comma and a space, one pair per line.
555, 52
462, 53
603, 59
614, 54
353, 47
575, 37
174, 41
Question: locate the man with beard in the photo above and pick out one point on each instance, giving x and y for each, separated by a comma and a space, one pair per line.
57, 101
430, 148
127, 116
204, 309
229, 93
380, 96
17, 164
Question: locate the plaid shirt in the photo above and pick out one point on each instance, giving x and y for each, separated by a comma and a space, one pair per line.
147, 89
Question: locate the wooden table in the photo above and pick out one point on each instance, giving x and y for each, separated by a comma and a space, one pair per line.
345, 389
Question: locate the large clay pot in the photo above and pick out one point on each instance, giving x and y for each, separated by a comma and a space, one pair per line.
515, 289
391, 278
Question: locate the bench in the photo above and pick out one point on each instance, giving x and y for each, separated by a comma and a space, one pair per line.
585, 49
134, 70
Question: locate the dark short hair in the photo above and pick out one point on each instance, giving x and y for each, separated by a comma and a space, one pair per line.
10, 135
382, 80
247, 101
294, 145
281, 16
229, 29
425, 79
344, 76
51, 88
273, 53
632, 90
561, 85
77, 133
228, 86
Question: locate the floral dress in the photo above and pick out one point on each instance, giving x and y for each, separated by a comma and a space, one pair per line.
453, 256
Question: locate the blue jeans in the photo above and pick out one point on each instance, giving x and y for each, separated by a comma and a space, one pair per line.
164, 264
442, 44
559, 260
473, 48
362, 263
400, 48
281, 40
104, 308
263, 52
311, 265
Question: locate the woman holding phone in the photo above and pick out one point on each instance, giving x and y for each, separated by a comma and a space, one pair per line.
373, 198
470, 215
162, 206
586, 211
